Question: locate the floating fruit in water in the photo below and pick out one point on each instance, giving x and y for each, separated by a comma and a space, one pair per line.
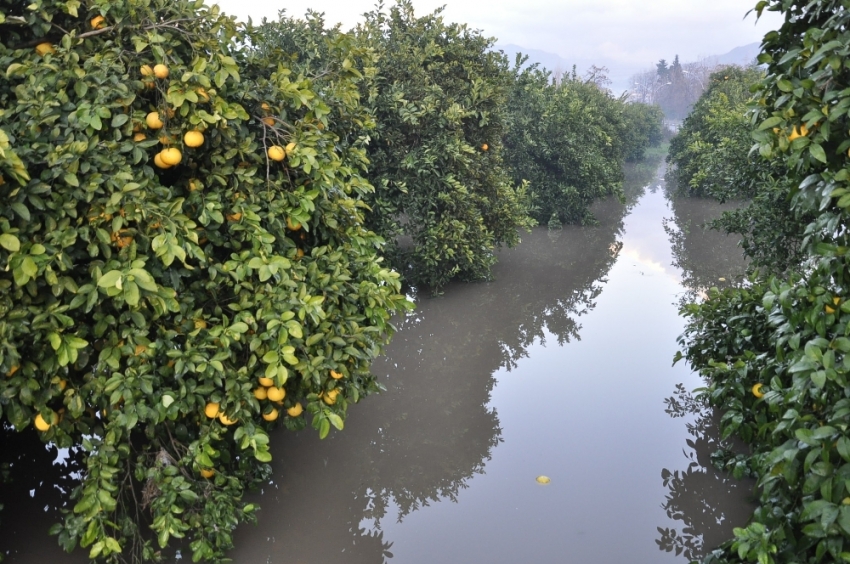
543, 480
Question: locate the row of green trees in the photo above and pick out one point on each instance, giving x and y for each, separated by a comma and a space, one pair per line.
205, 226
776, 349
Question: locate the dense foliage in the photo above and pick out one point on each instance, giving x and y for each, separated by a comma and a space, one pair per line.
776, 352
568, 138
153, 312
442, 198
712, 158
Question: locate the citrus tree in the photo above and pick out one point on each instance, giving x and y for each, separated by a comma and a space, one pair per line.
568, 138
776, 351
185, 263
442, 198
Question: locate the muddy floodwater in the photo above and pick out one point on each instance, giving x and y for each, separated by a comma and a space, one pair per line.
559, 367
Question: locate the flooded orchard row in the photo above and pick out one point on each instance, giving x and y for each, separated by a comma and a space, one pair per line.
561, 366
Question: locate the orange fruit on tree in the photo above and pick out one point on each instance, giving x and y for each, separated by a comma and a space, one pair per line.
757, 390
336, 375
139, 137
299, 253
295, 410
276, 394
160, 71
292, 224
260, 393
271, 415
157, 160
267, 382
44, 48
203, 94
268, 121
211, 410
225, 420
276, 153
171, 156
193, 138
234, 216
207, 473
330, 397
40, 423
290, 147
265, 106
485, 147
153, 120
146, 70
97, 22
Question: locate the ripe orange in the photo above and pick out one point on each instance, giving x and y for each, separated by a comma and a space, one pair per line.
194, 185
271, 415
290, 147
267, 382
757, 390
299, 253
157, 160
225, 420
276, 153
40, 423
234, 216
292, 224
330, 397
336, 375
153, 120
160, 71
265, 106
268, 121
97, 22
146, 70
260, 393
207, 473
485, 147
193, 138
171, 156
211, 410
44, 48
139, 137
295, 410
276, 394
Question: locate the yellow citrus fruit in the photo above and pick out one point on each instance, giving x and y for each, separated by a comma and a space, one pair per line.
757, 390
276, 394
234, 216
276, 153
13, 370
146, 70
160, 71
267, 382
200, 324
836, 300
271, 415
330, 397
153, 120
193, 139
139, 137
97, 22
485, 147
261, 393
40, 423
265, 106
543, 480
299, 253
207, 473
828, 309
44, 48
171, 156
62, 385
336, 375
292, 224
289, 148
211, 410
157, 160
225, 420
203, 94
295, 410
268, 121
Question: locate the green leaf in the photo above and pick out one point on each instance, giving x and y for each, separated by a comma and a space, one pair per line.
817, 152
109, 279
10, 242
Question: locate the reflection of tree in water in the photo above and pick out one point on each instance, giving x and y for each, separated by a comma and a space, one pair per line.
703, 255
433, 429
709, 503
35, 482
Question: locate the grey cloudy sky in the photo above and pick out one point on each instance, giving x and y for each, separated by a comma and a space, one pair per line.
634, 33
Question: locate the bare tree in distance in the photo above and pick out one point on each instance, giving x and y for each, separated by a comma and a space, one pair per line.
674, 87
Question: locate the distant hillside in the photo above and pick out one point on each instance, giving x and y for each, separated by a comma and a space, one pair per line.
743, 55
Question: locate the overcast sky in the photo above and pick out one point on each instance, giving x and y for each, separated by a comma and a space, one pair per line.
633, 32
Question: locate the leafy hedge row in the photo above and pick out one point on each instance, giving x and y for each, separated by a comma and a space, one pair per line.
776, 351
